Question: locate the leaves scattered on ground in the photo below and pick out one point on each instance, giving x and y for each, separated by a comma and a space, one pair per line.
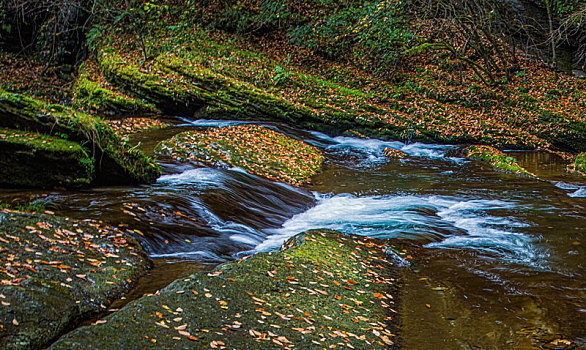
128, 126
59, 249
394, 153
255, 148
323, 289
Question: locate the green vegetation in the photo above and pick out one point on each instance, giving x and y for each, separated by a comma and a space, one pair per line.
497, 159
32, 207
114, 161
37, 160
99, 96
579, 164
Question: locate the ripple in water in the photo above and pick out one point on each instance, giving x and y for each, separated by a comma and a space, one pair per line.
579, 190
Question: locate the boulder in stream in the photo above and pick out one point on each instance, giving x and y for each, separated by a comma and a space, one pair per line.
257, 149
29, 159
497, 159
323, 289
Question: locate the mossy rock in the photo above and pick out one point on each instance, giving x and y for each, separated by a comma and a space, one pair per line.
497, 159
322, 289
579, 164
181, 86
258, 150
92, 91
29, 159
109, 103
114, 161
55, 272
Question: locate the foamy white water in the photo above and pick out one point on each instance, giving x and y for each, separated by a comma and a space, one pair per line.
444, 222
192, 176
373, 148
574, 190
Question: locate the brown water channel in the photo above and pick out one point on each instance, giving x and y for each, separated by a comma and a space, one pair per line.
498, 260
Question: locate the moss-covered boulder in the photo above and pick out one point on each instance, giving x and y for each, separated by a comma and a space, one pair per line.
178, 86
93, 92
55, 271
29, 159
114, 161
323, 289
497, 159
256, 149
579, 164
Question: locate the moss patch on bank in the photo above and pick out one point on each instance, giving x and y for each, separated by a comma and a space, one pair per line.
255, 148
115, 162
324, 289
497, 159
55, 271
93, 92
579, 164
30, 159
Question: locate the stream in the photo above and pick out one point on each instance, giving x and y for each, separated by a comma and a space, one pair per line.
498, 259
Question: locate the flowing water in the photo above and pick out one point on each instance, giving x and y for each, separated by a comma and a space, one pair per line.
498, 260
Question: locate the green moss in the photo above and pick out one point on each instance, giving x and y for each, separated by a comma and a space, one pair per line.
579, 164
39, 141
115, 161
31, 159
321, 289
497, 159
56, 271
112, 104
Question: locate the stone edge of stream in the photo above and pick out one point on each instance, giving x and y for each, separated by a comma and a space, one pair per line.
323, 288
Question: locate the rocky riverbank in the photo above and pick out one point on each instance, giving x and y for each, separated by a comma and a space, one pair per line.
322, 289
51, 145
55, 272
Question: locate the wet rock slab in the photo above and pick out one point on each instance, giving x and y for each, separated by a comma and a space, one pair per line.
322, 290
30, 159
55, 271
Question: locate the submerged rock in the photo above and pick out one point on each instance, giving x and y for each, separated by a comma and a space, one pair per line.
394, 153
55, 271
29, 159
497, 159
323, 289
256, 149
114, 162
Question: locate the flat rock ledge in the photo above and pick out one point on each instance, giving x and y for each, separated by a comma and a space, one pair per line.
323, 289
54, 272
